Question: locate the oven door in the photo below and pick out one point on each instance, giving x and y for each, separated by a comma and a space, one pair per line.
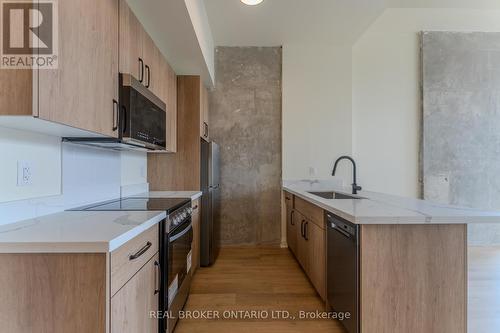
179, 257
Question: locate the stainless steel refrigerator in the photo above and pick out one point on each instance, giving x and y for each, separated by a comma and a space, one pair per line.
210, 203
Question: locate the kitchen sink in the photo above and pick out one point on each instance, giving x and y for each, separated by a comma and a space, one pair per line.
333, 195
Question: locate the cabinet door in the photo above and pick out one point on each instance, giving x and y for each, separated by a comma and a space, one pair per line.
301, 246
16, 86
291, 230
131, 35
153, 60
204, 128
171, 109
196, 235
316, 257
168, 94
82, 91
131, 306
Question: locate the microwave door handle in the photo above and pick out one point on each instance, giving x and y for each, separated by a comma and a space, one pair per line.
115, 114
179, 235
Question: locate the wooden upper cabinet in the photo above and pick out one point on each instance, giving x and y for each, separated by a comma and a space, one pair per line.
154, 64
83, 91
204, 108
140, 57
171, 100
16, 92
131, 42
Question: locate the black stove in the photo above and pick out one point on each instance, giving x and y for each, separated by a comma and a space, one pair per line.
138, 204
176, 237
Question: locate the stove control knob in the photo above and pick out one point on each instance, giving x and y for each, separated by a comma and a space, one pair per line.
190, 210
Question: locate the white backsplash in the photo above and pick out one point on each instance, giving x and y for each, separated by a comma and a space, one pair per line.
88, 175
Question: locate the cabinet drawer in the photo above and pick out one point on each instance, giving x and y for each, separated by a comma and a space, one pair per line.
131, 256
288, 200
311, 212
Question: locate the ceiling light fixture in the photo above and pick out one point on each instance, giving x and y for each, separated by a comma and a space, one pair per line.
251, 2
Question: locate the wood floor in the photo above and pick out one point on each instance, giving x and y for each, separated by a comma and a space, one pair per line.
484, 289
254, 279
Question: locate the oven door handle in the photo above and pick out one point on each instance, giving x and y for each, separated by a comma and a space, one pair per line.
182, 233
157, 277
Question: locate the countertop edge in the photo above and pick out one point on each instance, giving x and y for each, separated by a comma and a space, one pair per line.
392, 220
132, 233
82, 246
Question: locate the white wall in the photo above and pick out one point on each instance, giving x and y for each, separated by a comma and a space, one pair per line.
65, 175
386, 98
41, 151
316, 110
134, 168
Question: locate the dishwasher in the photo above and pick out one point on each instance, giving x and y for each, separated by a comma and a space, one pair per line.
343, 270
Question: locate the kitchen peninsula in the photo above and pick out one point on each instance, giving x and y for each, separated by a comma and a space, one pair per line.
408, 258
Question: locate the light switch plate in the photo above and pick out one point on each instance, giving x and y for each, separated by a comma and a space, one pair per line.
24, 173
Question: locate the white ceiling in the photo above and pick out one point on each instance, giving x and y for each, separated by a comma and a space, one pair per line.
278, 22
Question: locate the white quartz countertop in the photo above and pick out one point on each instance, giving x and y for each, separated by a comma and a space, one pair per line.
193, 195
73, 231
379, 208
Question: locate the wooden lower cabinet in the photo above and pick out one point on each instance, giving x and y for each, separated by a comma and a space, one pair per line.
291, 227
71, 292
291, 231
131, 306
316, 257
53, 292
307, 240
301, 246
196, 218
413, 278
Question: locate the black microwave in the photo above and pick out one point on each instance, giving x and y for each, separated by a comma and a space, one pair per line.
143, 115
141, 124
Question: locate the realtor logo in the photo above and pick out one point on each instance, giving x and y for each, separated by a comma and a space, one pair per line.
29, 34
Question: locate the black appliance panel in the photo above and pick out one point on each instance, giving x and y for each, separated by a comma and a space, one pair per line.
343, 269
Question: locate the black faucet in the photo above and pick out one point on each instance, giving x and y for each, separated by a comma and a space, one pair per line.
355, 187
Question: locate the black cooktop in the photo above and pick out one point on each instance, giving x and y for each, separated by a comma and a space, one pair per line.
138, 204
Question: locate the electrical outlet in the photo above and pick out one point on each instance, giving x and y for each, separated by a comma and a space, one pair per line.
313, 171
24, 173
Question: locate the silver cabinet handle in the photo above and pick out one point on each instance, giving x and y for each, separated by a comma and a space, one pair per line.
139, 253
141, 70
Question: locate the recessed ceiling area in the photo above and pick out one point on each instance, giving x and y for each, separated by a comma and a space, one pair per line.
279, 22
275, 22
